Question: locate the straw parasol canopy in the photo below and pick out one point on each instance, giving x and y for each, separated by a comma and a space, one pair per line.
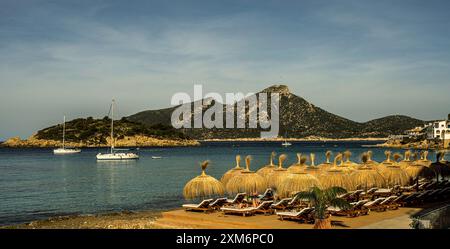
327, 164
394, 175
335, 176
203, 185
382, 166
423, 159
300, 166
406, 160
440, 166
268, 169
417, 170
246, 181
369, 158
232, 172
297, 182
278, 174
313, 169
366, 177
347, 155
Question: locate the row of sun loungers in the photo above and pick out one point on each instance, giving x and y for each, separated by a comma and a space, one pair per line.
361, 203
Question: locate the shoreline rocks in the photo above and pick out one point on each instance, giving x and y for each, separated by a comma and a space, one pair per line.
133, 141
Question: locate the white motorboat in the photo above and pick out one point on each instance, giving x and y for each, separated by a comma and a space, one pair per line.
114, 154
156, 157
63, 150
286, 144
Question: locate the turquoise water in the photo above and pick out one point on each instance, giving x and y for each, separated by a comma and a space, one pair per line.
35, 184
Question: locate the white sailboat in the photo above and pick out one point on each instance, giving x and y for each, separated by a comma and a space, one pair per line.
114, 155
63, 150
285, 143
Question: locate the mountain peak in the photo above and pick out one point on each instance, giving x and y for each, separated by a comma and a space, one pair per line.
281, 89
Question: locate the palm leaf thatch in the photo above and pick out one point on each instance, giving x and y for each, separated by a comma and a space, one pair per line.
297, 182
347, 155
423, 159
327, 164
366, 177
394, 175
278, 174
417, 170
321, 199
312, 169
335, 176
369, 158
246, 181
203, 185
268, 169
232, 172
300, 166
406, 162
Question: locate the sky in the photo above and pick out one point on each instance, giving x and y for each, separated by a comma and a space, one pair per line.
358, 59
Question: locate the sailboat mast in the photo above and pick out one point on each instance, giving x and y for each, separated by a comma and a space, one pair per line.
112, 126
64, 132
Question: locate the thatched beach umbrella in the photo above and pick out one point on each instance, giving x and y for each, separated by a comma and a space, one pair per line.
366, 177
268, 169
417, 170
327, 164
246, 181
406, 160
313, 169
394, 175
346, 162
297, 182
382, 166
232, 172
335, 176
278, 174
423, 159
369, 158
203, 185
300, 166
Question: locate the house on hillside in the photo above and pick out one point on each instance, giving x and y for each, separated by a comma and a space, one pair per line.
440, 130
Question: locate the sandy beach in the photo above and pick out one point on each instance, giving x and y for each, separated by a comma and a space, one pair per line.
177, 219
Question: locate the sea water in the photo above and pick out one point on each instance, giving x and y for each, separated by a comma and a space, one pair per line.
35, 184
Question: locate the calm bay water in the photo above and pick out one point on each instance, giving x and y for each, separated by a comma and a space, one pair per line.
35, 184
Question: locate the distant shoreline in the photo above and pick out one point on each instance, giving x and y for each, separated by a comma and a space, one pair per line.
289, 139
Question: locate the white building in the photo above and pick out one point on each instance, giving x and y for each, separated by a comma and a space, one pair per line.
439, 130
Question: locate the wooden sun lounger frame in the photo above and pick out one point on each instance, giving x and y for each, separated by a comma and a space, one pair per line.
306, 215
202, 206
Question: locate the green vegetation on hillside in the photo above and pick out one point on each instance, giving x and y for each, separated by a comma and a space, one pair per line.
96, 131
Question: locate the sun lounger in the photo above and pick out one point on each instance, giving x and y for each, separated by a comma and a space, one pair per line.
423, 196
375, 205
368, 194
247, 211
355, 195
282, 204
399, 199
410, 199
304, 215
389, 203
264, 208
218, 203
202, 206
267, 196
356, 209
410, 188
239, 198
